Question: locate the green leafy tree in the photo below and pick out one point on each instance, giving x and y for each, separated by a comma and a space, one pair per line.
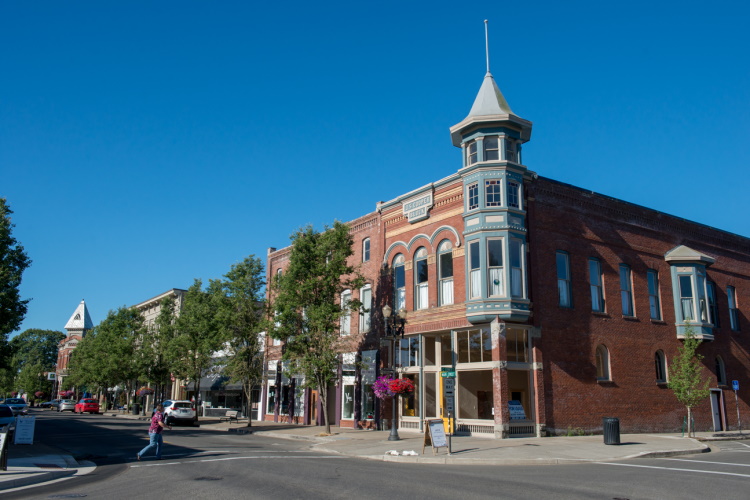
13, 262
197, 334
106, 356
240, 316
152, 354
306, 305
686, 377
34, 354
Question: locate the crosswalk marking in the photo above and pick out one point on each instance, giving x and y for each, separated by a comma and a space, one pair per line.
676, 469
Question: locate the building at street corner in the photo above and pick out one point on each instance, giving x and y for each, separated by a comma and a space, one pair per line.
555, 306
76, 328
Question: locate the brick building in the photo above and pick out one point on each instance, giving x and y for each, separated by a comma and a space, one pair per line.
77, 327
554, 305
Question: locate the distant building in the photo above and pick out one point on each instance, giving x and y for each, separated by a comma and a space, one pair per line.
554, 306
77, 327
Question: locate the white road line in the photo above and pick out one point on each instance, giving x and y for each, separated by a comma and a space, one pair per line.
134, 466
676, 469
705, 462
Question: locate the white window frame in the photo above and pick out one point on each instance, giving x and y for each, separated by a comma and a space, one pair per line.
399, 293
472, 194
517, 273
564, 288
421, 288
445, 286
495, 273
734, 316
365, 312
475, 270
486, 150
366, 250
596, 285
603, 366
346, 313
626, 290
654, 298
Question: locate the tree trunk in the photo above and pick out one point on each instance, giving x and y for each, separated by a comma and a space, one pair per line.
691, 431
248, 388
324, 403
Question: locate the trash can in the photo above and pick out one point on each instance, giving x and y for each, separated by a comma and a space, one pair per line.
611, 427
136, 409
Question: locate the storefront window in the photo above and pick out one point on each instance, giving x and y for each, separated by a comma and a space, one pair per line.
428, 344
408, 352
516, 343
368, 378
430, 395
347, 385
410, 403
446, 350
474, 346
475, 400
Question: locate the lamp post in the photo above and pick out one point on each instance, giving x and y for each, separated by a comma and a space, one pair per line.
394, 328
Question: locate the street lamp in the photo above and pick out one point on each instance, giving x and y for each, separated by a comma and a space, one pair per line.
394, 328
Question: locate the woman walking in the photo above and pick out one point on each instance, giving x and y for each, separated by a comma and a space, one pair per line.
154, 433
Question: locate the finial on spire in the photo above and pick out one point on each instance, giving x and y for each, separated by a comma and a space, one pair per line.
487, 45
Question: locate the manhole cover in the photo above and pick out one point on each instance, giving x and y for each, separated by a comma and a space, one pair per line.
208, 478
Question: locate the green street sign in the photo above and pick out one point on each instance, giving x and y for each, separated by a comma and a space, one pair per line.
451, 374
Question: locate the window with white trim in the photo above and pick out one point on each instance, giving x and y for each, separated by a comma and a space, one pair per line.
516, 268
687, 306
734, 316
712, 304
563, 279
399, 283
366, 250
492, 193
626, 290
365, 312
346, 313
474, 346
491, 148
510, 150
495, 274
421, 280
471, 153
654, 304
513, 194
596, 285
445, 272
473, 195
475, 276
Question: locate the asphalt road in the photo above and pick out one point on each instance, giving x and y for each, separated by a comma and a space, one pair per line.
218, 465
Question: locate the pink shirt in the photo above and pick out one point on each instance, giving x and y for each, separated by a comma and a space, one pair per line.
155, 427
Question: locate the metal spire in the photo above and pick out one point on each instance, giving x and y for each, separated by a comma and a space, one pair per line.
487, 45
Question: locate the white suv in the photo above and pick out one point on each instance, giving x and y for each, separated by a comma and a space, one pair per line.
178, 411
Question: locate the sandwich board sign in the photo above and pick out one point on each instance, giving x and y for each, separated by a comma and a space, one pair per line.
24, 430
434, 435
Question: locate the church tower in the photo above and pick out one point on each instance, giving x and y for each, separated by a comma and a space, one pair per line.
77, 326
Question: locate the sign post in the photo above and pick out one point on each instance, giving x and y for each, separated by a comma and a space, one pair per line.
449, 391
736, 387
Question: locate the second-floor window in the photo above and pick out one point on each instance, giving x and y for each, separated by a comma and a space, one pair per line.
346, 313
399, 283
366, 250
563, 279
421, 278
712, 307
495, 273
686, 298
734, 316
596, 284
652, 277
492, 193
513, 199
516, 268
365, 313
475, 278
445, 272
473, 190
626, 290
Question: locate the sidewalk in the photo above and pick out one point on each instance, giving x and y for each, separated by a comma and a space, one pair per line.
38, 463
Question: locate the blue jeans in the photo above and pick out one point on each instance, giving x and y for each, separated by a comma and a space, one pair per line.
154, 441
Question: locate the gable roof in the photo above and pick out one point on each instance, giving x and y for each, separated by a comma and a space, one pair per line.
80, 320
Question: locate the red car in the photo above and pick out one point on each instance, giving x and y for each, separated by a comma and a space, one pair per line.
87, 405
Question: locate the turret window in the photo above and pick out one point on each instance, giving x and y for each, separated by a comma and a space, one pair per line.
495, 268
513, 188
471, 153
686, 298
516, 268
475, 277
492, 193
491, 148
473, 190
510, 150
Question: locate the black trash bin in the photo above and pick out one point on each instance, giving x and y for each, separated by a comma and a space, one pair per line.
136, 409
611, 428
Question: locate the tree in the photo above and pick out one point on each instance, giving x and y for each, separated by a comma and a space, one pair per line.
196, 333
105, 356
34, 354
152, 355
241, 318
306, 305
13, 262
686, 378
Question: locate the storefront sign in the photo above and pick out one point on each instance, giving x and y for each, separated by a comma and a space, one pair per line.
418, 208
434, 435
516, 410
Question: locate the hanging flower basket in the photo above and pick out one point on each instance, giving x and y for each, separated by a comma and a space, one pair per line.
39, 394
145, 391
386, 386
14, 394
66, 394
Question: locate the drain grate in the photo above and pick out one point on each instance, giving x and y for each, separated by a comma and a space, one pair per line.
209, 478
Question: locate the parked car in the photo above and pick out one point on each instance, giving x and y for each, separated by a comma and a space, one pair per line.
66, 404
87, 406
49, 404
18, 405
7, 417
178, 411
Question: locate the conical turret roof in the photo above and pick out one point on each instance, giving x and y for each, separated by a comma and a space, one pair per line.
490, 101
80, 320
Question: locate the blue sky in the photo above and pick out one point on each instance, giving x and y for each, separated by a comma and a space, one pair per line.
144, 144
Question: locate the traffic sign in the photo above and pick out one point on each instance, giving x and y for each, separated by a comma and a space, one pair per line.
736, 385
448, 373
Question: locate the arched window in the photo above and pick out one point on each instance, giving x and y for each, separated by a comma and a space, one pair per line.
660, 364
445, 272
399, 283
421, 278
366, 250
721, 374
602, 363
